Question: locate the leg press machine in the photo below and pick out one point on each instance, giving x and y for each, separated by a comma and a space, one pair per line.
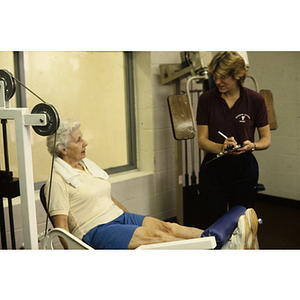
214, 237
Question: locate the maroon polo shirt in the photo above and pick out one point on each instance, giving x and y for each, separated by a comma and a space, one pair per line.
248, 112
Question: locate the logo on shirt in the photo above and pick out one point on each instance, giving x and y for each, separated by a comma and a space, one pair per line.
242, 118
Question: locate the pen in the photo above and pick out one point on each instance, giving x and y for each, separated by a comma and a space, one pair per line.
223, 135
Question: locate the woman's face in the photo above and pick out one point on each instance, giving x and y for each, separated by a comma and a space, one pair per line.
226, 84
76, 149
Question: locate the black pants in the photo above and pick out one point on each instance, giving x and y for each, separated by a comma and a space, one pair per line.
226, 182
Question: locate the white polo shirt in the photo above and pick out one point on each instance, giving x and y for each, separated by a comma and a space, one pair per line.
86, 206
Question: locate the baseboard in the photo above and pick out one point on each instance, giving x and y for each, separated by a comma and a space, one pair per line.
278, 201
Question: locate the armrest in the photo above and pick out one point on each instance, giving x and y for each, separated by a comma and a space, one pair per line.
72, 241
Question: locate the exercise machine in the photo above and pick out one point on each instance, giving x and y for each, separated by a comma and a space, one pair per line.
44, 119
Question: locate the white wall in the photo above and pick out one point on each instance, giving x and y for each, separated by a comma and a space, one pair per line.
280, 164
152, 191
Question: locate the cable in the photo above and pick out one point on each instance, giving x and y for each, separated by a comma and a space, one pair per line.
29, 90
50, 187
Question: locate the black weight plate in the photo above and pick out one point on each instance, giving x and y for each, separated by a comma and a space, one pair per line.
52, 119
9, 83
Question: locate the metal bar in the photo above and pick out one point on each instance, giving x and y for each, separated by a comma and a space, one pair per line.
35, 120
20, 74
11, 222
186, 164
178, 170
26, 181
201, 77
2, 225
5, 146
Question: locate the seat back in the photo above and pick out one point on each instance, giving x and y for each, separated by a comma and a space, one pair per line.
44, 202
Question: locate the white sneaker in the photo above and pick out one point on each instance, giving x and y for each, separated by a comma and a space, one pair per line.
253, 224
240, 236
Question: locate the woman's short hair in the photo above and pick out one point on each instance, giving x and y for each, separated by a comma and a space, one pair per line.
63, 136
228, 63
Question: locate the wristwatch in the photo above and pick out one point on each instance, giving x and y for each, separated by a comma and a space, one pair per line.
253, 149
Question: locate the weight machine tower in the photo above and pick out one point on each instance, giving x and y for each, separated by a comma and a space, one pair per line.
45, 120
194, 66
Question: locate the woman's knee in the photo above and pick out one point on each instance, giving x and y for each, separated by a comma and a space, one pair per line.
161, 226
170, 228
145, 236
150, 234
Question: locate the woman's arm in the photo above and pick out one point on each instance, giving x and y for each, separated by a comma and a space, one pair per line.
61, 221
204, 143
210, 146
263, 143
119, 204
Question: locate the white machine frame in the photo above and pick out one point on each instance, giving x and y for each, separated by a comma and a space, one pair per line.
23, 120
204, 243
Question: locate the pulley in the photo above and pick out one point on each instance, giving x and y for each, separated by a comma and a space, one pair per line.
49, 110
52, 117
9, 83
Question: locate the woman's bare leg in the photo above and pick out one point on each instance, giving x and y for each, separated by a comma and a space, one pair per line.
145, 236
155, 231
174, 229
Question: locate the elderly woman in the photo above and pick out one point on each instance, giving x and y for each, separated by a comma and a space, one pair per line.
81, 200
236, 112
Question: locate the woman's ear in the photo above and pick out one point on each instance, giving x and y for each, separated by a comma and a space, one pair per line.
63, 151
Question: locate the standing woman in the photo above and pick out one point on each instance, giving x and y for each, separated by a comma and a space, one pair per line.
235, 111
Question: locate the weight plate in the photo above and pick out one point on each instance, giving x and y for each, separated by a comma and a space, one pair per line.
9, 83
52, 117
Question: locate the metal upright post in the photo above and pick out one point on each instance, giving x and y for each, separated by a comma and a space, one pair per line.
2, 226
7, 179
178, 168
26, 182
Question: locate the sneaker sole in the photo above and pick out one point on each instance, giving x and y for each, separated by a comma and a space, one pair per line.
247, 231
240, 236
244, 226
253, 224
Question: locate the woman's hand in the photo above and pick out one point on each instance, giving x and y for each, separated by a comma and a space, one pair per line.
247, 146
229, 141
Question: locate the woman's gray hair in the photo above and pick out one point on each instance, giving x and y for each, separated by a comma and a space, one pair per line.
63, 136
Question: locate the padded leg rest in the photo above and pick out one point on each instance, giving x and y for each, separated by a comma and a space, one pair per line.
223, 228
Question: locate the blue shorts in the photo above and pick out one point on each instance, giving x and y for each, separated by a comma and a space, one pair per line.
115, 234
